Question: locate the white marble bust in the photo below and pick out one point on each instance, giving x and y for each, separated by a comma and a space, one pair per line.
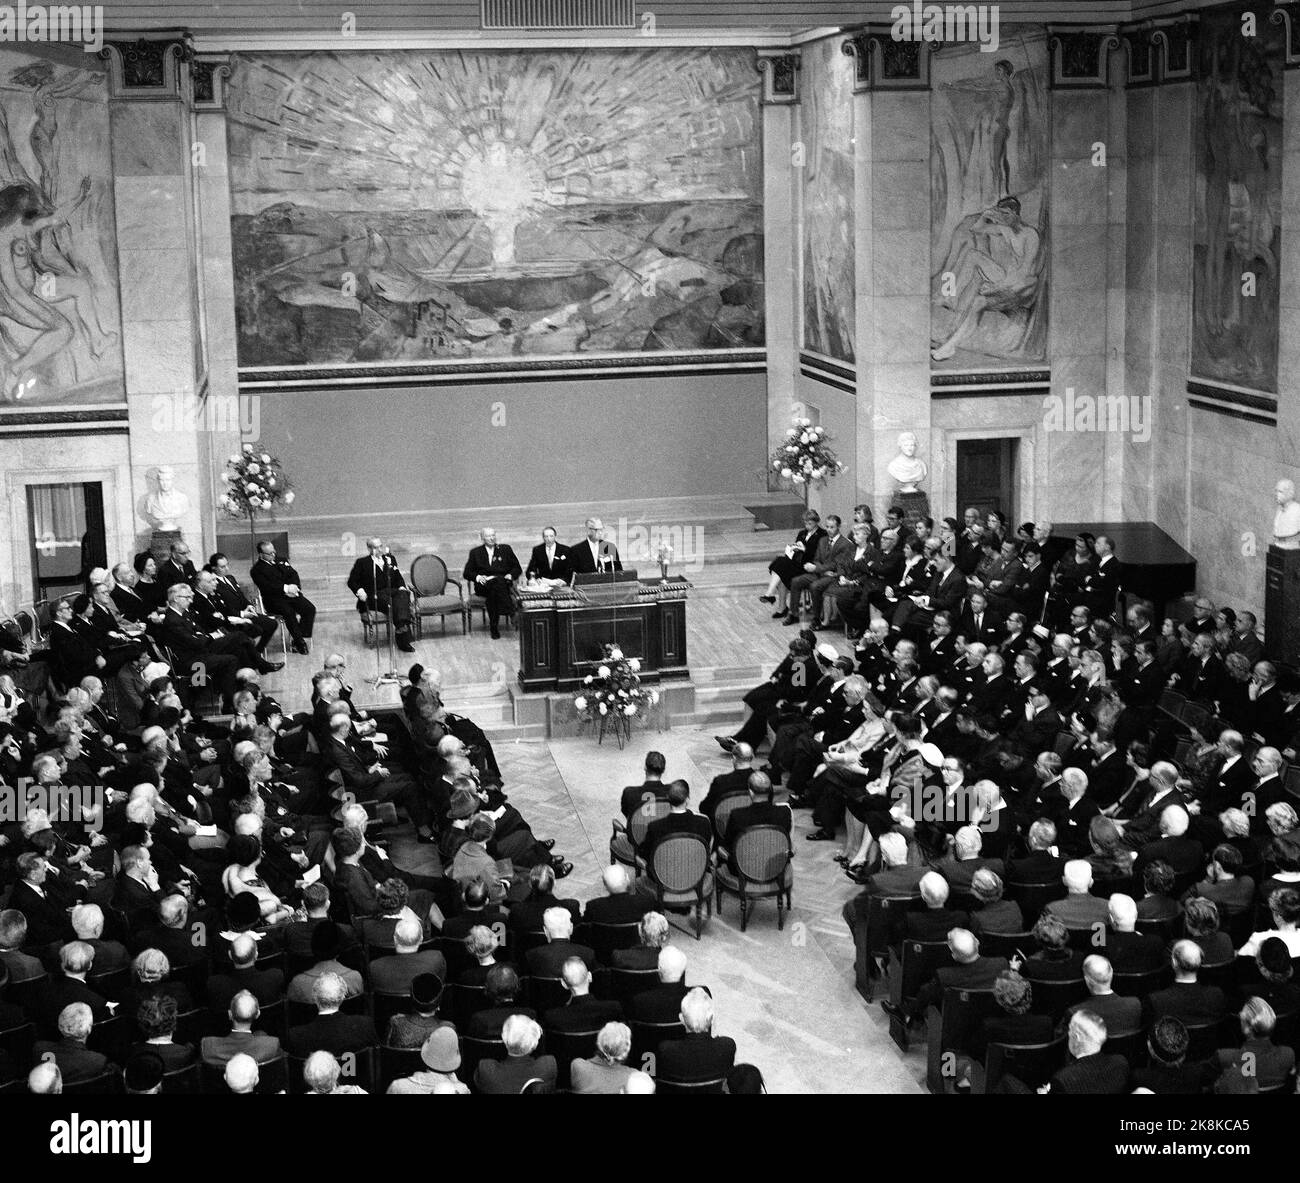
164, 508
1286, 523
906, 468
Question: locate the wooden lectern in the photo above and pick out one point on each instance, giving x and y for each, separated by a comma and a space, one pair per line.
563, 631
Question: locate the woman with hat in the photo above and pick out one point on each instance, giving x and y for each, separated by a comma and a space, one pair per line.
441, 1056
410, 1031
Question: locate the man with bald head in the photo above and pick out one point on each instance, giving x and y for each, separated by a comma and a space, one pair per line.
969, 971
580, 1012
701, 1056
620, 904
491, 571
376, 581
730, 784
244, 1012
1175, 846
761, 811
594, 553
266, 985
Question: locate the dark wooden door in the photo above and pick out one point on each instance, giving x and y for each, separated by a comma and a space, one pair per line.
986, 476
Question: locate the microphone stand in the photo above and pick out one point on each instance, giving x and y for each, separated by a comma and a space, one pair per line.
390, 678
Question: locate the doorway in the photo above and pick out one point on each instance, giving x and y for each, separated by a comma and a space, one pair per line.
987, 476
65, 529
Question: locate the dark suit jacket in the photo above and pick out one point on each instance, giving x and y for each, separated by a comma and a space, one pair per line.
60, 992
1097, 1073
583, 1014
626, 908
560, 567
933, 923
272, 578
989, 631
266, 985
76, 1062
129, 604
1190, 1001
511, 1074
762, 814
634, 795
548, 960
503, 564
365, 576
659, 1004
582, 563
1121, 1015
487, 1024
696, 1057
394, 975
335, 1033
728, 784
674, 823
1134, 952
47, 922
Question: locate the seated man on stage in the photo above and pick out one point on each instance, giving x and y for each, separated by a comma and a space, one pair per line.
491, 573
235, 604
282, 594
550, 560
376, 581
593, 553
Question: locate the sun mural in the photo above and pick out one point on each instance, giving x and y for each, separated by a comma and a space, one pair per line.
406, 207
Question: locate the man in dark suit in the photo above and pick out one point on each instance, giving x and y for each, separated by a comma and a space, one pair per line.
332, 1030
969, 971
1121, 1014
678, 820
266, 985
937, 920
1185, 854
236, 605
550, 559
195, 650
582, 1012
634, 796
394, 974
730, 784
1130, 951
1040, 865
47, 921
662, 1003
1201, 674
593, 553
701, 1055
521, 1036
491, 571
232, 634
75, 959
128, 601
548, 960
945, 593
1187, 999
244, 1012
376, 581
177, 568
476, 909
76, 1062
1102, 586
759, 812
978, 622
621, 905
282, 595
1089, 1071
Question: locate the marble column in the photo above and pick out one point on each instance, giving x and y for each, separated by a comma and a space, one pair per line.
780, 72
155, 240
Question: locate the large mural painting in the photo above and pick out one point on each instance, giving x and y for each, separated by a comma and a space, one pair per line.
60, 324
1238, 206
828, 246
990, 150
411, 207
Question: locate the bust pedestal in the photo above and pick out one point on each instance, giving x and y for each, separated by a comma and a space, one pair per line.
915, 505
1282, 604
160, 544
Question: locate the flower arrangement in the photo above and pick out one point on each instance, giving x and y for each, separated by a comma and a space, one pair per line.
612, 696
665, 556
805, 460
255, 484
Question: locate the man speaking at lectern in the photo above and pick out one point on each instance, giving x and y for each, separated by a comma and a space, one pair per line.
593, 553
490, 573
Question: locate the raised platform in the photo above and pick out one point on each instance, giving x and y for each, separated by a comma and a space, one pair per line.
721, 547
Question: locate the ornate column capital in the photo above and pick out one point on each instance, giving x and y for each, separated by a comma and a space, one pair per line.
1081, 56
780, 70
883, 61
209, 73
148, 68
